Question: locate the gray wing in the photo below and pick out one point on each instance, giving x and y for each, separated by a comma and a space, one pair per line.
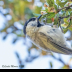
55, 41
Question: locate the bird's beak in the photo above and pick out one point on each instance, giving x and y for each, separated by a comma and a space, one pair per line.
37, 20
39, 17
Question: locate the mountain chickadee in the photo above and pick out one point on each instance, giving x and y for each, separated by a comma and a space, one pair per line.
46, 37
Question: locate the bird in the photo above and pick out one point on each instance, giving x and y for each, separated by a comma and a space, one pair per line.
46, 37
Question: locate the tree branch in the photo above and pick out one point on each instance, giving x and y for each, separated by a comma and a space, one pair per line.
64, 8
65, 17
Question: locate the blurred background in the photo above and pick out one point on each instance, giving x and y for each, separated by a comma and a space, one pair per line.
16, 49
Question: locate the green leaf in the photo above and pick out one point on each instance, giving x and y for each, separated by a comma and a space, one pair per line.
67, 13
68, 27
51, 15
56, 21
49, 21
65, 30
66, 20
46, 9
69, 24
55, 6
50, 2
71, 14
69, 9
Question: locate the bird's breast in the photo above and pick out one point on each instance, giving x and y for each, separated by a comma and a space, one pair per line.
31, 32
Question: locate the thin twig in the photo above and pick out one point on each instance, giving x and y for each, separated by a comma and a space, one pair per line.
65, 17
64, 8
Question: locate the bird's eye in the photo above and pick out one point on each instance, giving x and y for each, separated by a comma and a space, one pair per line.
33, 19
